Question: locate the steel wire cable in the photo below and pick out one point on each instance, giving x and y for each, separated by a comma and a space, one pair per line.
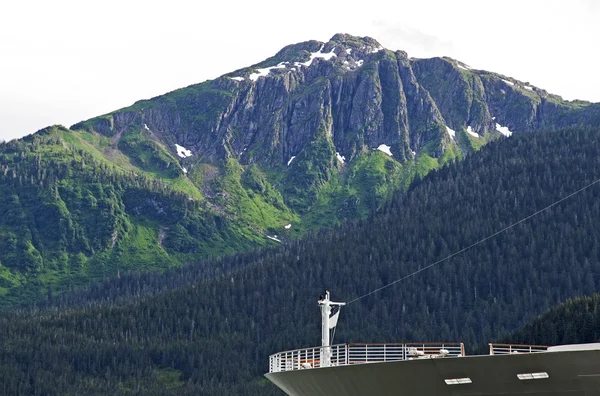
473, 245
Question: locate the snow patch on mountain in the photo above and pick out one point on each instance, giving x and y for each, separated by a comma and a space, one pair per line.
182, 151
274, 238
508, 82
291, 159
315, 55
385, 148
340, 157
265, 71
451, 132
471, 132
237, 78
503, 130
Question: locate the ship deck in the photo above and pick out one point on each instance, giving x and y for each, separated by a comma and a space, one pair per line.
507, 370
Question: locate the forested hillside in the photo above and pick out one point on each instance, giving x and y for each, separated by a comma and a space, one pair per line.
208, 329
573, 322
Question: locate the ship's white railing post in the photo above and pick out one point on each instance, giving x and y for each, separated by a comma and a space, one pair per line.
350, 354
507, 349
347, 353
335, 356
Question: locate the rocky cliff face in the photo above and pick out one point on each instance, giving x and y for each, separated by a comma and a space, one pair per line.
360, 94
309, 112
314, 108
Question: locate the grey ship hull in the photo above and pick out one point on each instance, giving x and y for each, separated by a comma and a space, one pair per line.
571, 373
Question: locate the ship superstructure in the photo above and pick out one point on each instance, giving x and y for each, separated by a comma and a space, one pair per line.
423, 369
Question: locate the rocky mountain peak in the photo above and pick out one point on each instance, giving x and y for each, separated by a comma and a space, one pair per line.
356, 43
342, 98
344, 51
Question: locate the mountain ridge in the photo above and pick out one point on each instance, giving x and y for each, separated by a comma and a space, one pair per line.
347, 96
299, 59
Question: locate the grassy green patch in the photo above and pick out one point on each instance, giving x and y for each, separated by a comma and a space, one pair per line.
169, 378
149, 156
248, 195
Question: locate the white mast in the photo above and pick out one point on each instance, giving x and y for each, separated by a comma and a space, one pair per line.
325, 304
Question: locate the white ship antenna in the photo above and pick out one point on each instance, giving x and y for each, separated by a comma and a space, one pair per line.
328, 321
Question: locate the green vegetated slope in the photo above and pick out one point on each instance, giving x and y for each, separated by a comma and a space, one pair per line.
78, 206
72, 211
192, 331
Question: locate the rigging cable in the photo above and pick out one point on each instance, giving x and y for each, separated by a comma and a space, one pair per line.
474, 244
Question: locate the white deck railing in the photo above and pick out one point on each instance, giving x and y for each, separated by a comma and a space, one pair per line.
347, 354
507, 349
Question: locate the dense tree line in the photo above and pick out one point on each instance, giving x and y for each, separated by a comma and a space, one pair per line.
576, 321
209, 328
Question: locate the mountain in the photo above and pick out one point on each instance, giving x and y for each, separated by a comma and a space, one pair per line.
317, 134
192, 331
311, 117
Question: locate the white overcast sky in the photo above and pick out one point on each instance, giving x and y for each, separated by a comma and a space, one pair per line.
63, 61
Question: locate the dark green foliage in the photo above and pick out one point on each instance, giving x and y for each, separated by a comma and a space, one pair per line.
309, 171
212, 325
576, 321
